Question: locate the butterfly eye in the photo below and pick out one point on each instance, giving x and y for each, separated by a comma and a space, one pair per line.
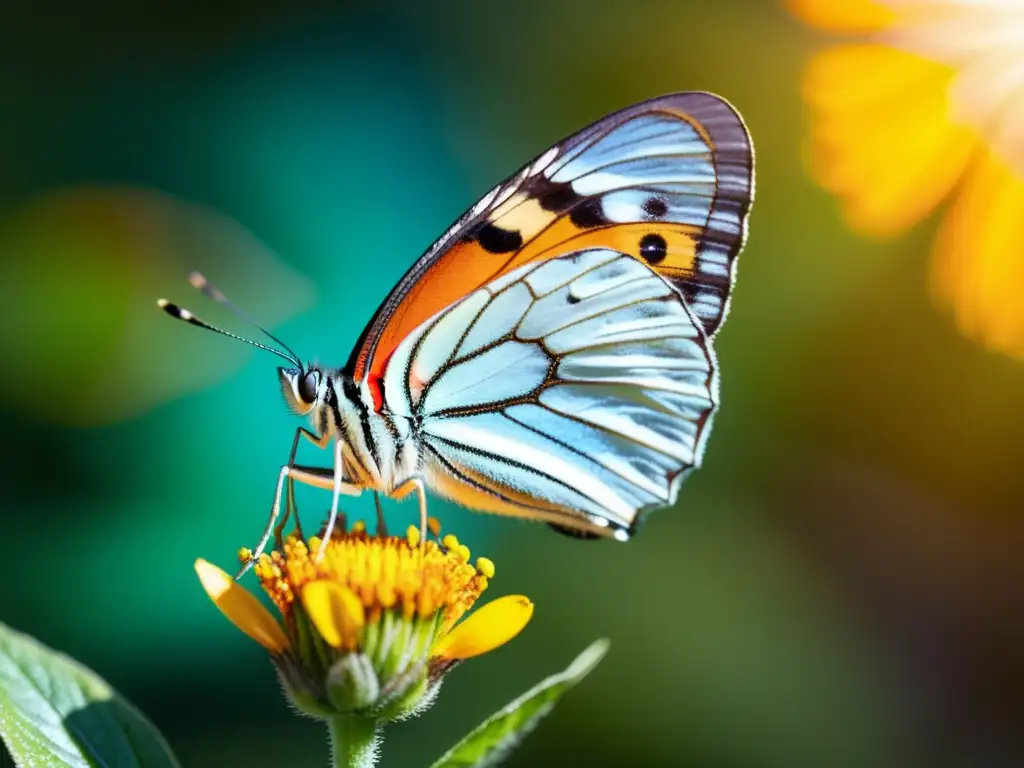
308, 386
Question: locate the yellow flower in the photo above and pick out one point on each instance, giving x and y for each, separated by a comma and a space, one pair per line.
927, 105
371, 628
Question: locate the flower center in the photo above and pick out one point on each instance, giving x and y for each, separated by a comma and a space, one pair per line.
383, 572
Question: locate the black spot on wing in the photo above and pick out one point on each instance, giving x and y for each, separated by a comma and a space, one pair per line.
495, 239
588, 214
555, 197
653, 248
655, 207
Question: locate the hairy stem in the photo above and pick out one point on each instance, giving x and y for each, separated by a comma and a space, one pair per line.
354, 741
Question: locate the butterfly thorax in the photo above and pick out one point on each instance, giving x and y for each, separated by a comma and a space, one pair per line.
378, 448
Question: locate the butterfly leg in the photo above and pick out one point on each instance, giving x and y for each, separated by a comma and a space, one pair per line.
320, 477
291, 507
414, 485
339, 487
320, 441
382, 528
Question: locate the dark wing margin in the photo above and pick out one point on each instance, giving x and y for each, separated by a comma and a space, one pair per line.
725, 234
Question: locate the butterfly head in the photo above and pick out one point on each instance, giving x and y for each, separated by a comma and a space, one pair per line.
304, 389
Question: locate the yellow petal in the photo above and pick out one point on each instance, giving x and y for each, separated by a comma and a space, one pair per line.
241, 607
842, 15
977, 268
335, 611
488, 627
883, 137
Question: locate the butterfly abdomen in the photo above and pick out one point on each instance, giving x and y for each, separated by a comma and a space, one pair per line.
379, 445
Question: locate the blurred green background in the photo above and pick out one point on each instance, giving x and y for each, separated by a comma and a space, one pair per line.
841, 584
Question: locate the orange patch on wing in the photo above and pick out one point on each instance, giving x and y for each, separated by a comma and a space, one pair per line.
564, 236
467, 266
464, 268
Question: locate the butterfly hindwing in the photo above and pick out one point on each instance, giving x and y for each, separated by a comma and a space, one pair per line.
667, 182
575, 390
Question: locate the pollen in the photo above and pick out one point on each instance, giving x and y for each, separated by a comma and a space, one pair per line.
485, 566
403, 573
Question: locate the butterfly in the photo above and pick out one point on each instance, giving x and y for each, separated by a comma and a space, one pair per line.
551, 355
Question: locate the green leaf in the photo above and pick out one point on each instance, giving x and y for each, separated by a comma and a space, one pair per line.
56, 712
493, 739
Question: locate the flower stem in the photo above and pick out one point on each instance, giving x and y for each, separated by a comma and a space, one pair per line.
354, 741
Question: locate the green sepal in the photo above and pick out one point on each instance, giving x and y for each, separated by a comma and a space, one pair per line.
417, 701
407, 692
297, 687
352, 684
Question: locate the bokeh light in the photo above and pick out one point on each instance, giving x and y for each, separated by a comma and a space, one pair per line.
925, 104
841, 584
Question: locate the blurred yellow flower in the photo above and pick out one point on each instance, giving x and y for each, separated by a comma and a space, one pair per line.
928, 105
370, 629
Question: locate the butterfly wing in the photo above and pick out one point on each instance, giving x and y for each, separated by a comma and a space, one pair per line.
577, 390
668, 181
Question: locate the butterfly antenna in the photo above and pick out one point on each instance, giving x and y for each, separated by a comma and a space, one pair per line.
180, 313
199, 281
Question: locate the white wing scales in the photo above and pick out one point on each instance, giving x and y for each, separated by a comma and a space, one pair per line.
499, 373
581, 388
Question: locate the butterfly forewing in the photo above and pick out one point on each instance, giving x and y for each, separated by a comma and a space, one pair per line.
667, 182
575, 390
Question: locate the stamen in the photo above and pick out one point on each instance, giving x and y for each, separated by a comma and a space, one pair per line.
406, 573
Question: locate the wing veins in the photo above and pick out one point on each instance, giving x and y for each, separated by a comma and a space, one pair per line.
587, 142
576, 451
480, 486
609, 430
518, 465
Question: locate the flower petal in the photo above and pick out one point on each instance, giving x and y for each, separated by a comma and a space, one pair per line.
842, 15
883, 138
488, 627
977, 269
335, 611
989, 95
241, 607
